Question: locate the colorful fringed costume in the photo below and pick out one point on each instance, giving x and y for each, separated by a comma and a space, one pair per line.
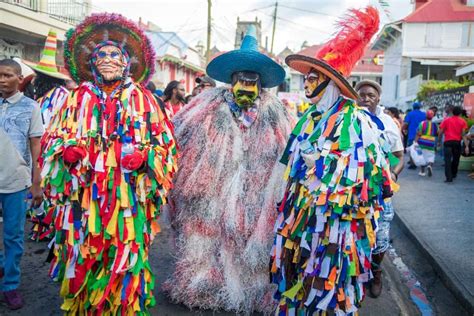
326, 227
104, 210
52, 96
338, 175
104, 218
50, 103
225, 192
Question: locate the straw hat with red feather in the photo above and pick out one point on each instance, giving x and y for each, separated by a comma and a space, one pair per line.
338, 57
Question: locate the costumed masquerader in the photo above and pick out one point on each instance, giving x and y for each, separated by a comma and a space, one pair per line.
230, 141
107, 167
49, 84
50, 92
337, 178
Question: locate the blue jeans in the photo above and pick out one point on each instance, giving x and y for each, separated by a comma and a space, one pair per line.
383, 234
14, 214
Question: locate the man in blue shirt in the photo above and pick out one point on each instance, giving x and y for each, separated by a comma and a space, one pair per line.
412, 121
20, 132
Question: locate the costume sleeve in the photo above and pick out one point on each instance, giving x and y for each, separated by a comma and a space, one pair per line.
51, 102
155, 138
67, 128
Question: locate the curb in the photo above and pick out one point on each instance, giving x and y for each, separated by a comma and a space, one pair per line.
449, 279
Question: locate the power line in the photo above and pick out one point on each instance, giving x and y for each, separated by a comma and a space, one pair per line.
222, 36
308, 11
300, 25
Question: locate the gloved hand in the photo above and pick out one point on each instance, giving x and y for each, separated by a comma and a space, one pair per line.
309, 159
133, 161
73, 154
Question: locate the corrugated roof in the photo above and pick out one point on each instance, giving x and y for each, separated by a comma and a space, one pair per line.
441, 11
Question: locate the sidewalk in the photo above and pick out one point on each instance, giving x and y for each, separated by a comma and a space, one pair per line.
439, 218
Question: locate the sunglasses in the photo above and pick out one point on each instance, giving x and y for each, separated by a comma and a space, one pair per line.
113, 55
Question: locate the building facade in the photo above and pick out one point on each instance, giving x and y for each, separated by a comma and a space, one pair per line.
24, 25
176, 60
429, 44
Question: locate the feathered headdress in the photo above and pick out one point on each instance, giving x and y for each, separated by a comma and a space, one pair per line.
338, 57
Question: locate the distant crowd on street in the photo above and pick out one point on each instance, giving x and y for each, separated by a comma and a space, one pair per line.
426, 133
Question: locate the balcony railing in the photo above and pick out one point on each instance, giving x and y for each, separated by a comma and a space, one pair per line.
29, 4
69, 11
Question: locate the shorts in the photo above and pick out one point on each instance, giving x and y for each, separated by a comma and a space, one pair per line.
428, 155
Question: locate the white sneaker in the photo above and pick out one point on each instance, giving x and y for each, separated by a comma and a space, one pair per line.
421, 174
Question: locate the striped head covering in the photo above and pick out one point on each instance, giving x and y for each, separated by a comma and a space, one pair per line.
47, 64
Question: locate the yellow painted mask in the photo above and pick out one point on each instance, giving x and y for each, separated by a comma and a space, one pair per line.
245, 88
315, 83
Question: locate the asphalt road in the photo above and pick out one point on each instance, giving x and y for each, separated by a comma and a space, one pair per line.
42, 299
407, 275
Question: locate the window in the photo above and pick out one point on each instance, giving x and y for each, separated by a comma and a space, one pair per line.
433, 35
467, 39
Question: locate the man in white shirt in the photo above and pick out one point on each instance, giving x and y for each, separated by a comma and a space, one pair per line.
369, 96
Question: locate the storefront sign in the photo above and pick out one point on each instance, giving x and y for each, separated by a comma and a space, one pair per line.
9, 51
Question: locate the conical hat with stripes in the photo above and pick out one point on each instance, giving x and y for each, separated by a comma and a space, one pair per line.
47, 64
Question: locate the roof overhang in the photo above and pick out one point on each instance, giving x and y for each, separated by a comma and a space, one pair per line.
439, 58
387, 35
461, 71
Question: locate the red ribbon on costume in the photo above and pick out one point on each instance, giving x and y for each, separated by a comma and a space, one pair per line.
133, 161
73, 154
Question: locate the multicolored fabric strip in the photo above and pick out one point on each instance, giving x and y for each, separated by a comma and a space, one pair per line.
105, 219
325, 231
51, 102
428, 131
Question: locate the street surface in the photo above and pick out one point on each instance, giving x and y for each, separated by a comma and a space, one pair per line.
411, 286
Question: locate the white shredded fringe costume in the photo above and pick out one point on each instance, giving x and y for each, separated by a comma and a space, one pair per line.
224, 198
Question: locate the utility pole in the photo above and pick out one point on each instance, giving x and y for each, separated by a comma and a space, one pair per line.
208, 51
274, 25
